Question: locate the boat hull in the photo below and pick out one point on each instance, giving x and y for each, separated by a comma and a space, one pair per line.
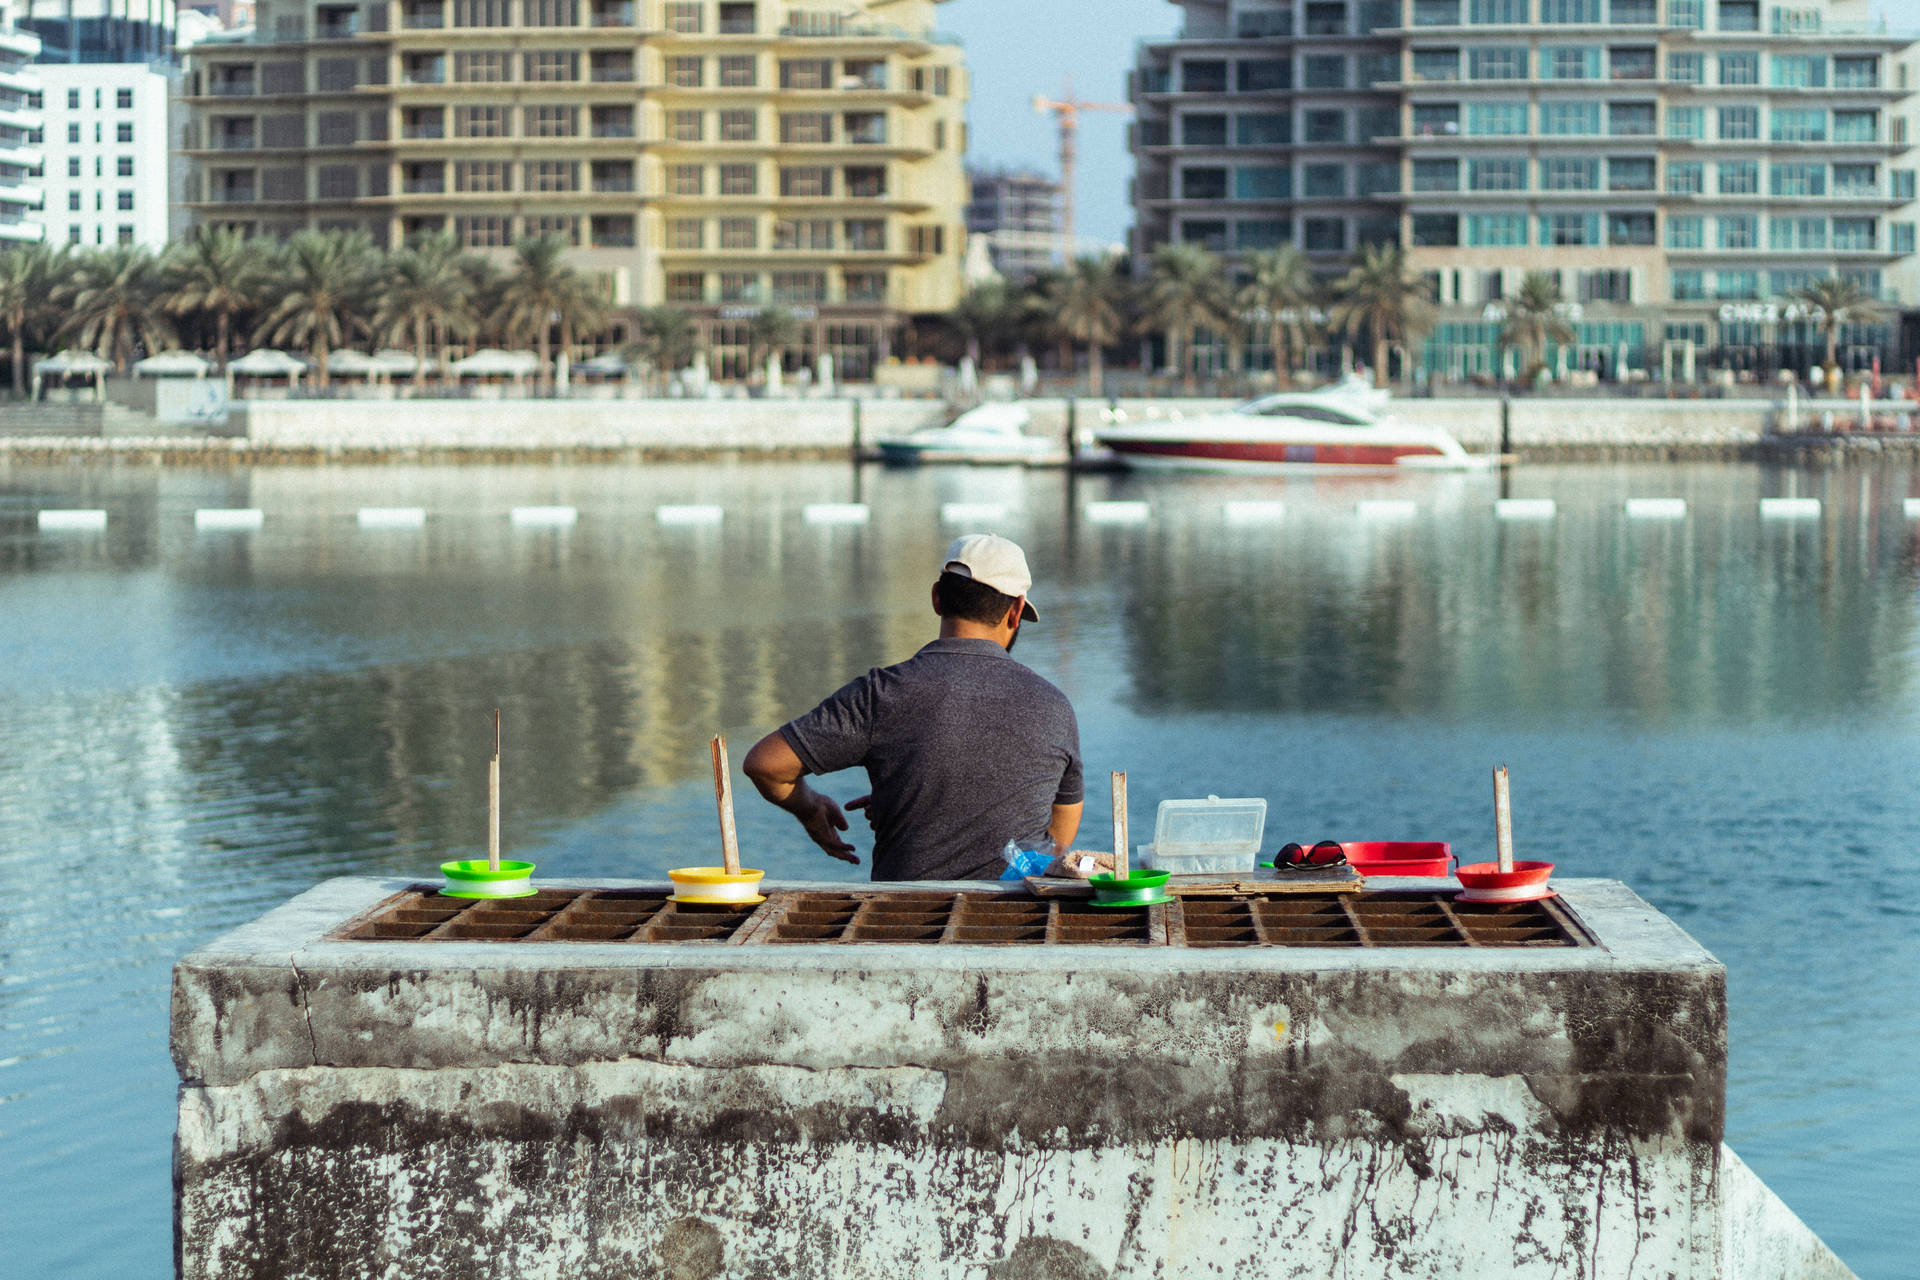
1258, 455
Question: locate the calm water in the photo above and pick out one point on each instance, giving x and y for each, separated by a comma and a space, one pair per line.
1722, 711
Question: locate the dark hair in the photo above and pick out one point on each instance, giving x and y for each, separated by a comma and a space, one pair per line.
975, 601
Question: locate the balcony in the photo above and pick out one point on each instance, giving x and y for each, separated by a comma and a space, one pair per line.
425, 131
424, 186
423, 18
619, 13
236, 193
612, 129
611, 73
236, 88
237, 140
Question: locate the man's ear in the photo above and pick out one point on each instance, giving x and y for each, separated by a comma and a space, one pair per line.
935, 596
1012, 620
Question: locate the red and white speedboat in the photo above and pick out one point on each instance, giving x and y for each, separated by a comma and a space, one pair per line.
1338, 428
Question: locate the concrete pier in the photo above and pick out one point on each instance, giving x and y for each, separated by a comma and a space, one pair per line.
1171, 1098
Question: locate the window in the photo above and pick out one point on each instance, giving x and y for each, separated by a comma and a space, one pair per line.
806, 181
553, 175
482, 68
1632, 12
1496, 230
1497, 119
866, 182
1903, 184
799, 286
686, 126
1326, 18
803, 234
1433, 13
1372, 178
739, 71
1606, 284
684, 16
1853, 235
480, 175
686, 179
739, 233
1739, 123
1203, 130
73, 166
686, 233
1797, 233
1324, 71
1860, 72
1685, 13
73, 197
1570, 11
1376, 122
73, 99
73, 133
1688, 286
1436, 175
739, 180
1323, 181
806, 127
1686, 122
1263, 182
610, 176
1685, 177
1430, 119
866, 235
479, 122
736, 19
1441, 229
1900, 237
686, 286
1798, 180
1567, 117
1799, 124
1376, 68
1203, 77
1739, 177
1569, 228
1630, 229
1738, 231
1323, 235
1326, 126
1630, 173
806, 73
684, 71
1630, 119
1270, 128
1436, 64
1261, 75
1498, 173
739, 125
612, 231
1856, 126
1261, 233
1740, 68
865, 286
1799, 71
552, 66
482, 13
123, 99
551, 13
553, 122
1570, 62
1570, 173
1631, 64
1497, 62
1203, 184
1497, 12
1686, 232
1686, 68
123, 167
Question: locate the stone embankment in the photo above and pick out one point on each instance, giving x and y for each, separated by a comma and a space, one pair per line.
265, 431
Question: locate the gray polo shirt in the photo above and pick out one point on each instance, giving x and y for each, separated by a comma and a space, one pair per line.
966, 749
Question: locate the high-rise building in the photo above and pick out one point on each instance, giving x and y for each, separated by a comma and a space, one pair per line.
1678, 166
106, 152
722, 156
1017, 212
99, 30
20, 126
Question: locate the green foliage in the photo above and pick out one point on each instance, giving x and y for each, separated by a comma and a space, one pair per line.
1187, 291
1837, 300
1536, 315
114, 299
327, 280
1381, 298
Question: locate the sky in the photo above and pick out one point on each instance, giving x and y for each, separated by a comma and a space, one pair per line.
1017, 48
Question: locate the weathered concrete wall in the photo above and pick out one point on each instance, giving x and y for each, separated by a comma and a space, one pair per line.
450, 1109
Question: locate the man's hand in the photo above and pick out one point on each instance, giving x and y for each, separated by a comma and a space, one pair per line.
863, 802
779, 775
823, 821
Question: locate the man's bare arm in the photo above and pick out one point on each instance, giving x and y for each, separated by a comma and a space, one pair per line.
1065, 825
778, 774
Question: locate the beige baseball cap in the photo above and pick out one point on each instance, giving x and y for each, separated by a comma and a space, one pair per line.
993, 561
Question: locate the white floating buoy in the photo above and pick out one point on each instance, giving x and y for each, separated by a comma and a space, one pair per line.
835, 513
546, 517
1386, 508
1912, 508
1789, 508
1525, 508
73, 519
1118, 512
1656, 508
973, 512
688, 514
229, 518
1253, 512
392, 517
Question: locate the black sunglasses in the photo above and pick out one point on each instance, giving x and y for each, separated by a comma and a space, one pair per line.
1295, 857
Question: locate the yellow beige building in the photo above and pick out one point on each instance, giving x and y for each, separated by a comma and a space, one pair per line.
721, 156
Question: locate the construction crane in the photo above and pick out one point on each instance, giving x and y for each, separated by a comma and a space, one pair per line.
1066, 109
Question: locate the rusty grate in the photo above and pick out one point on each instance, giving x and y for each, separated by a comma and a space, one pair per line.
1400, 919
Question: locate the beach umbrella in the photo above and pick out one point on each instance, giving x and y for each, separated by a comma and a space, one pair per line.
173, 364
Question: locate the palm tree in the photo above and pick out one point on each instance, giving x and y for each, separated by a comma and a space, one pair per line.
1281, 291
1838, 300
27, 276
1086, 304
662, 338
541, 292
987, 316
772, 331
326, 280
217, 271
1186, 292
1381, 297
1535, 317
113, 299
425, 291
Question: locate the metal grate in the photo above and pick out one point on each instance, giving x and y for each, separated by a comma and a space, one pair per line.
1420, 919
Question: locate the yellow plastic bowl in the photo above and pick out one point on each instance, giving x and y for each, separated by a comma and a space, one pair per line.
714, 885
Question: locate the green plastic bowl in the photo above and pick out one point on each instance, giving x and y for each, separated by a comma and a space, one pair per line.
471, 878
1140, 889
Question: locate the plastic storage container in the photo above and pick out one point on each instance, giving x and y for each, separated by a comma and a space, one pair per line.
1211, 835
1399, 857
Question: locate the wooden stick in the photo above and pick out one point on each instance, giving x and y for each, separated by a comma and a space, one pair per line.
493, 798
1119, 826
1502, 819
723, 797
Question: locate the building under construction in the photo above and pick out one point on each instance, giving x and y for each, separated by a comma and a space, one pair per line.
1017, 213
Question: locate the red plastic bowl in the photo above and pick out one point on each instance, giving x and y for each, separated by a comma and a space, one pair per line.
1487, 875
1399, 857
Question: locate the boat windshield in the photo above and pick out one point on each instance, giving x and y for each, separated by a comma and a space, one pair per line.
1309, 410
